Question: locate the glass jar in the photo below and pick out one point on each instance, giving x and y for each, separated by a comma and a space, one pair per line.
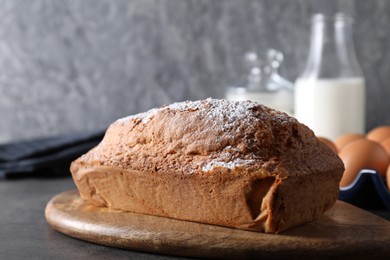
263, 83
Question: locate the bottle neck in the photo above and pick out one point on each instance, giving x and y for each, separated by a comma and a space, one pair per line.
332, 54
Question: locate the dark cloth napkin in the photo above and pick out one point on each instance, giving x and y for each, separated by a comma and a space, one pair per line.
45, 157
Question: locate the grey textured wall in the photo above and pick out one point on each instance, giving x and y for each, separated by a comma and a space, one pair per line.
71, 65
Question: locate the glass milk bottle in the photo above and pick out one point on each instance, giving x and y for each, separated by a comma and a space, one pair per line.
262, 83
330, 93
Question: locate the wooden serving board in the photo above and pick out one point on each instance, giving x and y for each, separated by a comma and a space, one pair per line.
344, 231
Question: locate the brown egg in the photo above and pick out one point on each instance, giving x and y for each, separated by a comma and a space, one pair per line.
386, 144
388, 177
329, 143
362, 154
379, 134
346, 139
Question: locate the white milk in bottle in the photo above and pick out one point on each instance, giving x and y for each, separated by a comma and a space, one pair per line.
330, 94
331, 107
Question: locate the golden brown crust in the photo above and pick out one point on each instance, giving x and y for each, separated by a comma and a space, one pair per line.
212, 161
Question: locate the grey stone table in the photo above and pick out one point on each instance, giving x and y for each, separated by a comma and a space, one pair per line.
24, 233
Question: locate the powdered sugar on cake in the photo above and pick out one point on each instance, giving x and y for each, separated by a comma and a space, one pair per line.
228, 165
144, 117
220, 112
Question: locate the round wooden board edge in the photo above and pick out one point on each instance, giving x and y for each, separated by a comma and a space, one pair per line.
67, 227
